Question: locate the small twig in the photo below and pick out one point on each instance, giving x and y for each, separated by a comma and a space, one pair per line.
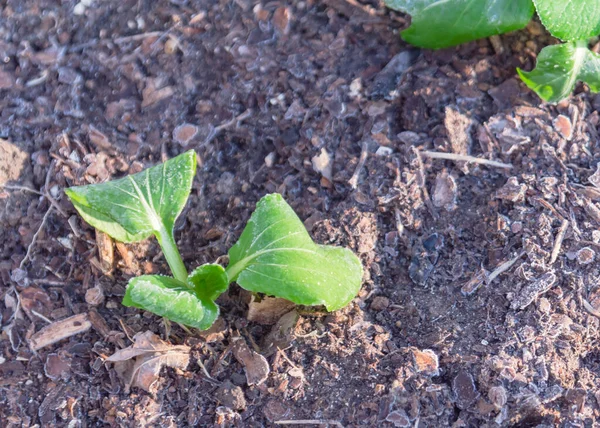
118, 40
364, 152
37, 314
309, 422
18, 308
21, 188
588, 307
560, 236
503, 267
551, 208
217, 130
35, 236
464, 158
399, 225
421, 182
208, 377
496, 42
124, 328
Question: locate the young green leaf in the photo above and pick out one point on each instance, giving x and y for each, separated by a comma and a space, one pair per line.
558, 69
276, 256
167, 297
570, 20
133, 208
209, 282
191, 303
442, 23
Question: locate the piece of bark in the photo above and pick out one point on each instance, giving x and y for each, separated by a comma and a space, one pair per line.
60, 330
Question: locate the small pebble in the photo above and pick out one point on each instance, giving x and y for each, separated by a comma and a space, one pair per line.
380, 303
585, 256
185, 133
426, 362
94, 296
270, 160
464, 389
562, 125
399, 418
384, 151
498, 396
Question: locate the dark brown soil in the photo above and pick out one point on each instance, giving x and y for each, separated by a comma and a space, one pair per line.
258, 90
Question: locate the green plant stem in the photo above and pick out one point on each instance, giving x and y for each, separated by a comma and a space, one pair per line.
169, 247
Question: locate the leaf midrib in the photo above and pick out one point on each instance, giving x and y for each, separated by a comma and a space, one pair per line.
233, 271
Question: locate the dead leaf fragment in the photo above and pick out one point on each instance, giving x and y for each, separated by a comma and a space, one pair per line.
150, 354
99, 139
281, 334
255, 365
36, 302
444, 192
323, 164
595, 177
268, 310
153, 93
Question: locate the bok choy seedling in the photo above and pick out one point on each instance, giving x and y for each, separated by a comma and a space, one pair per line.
438, 24
275, 254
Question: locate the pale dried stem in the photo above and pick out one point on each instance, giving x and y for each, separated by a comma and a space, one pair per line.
464, 158
364, 152
503, 268
35, 236
560, 236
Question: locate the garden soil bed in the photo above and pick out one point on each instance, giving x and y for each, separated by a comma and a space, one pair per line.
481, 297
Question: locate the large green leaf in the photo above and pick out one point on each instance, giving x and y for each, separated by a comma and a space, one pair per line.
558, 69
443, 23
570, 20
276, 256
133, 208
191, 303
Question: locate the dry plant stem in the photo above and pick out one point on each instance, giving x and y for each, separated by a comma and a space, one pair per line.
117, 40
228, 124
35, 236
364, 152
551, 208
588, 307
503, 267
560, 236
421, 182
309, 422
21, 188
464, 158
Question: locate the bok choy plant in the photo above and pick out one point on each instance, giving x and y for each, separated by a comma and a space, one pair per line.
274, 255
438, 24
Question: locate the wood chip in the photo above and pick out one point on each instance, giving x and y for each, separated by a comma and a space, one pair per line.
255, 365
534, 289
106, 252
60, 330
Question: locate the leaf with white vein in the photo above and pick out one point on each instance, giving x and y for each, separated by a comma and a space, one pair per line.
276, 256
